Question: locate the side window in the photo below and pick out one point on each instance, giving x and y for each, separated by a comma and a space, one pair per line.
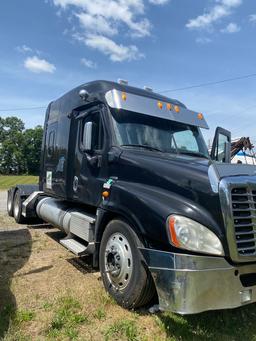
97, 133
220, 150
51, 143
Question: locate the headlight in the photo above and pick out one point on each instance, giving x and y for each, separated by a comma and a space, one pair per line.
187, 234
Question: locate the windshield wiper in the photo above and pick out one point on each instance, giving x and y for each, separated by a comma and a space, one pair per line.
142, 146
194, 154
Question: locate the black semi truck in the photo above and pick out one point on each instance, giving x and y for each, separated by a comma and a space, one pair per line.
126, 174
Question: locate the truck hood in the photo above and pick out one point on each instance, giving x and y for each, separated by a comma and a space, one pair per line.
172, 171
223, 170
194, 179
177, 173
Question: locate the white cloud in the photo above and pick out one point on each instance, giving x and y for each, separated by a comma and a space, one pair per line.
34, 64
27, 50
88, 63
158, 2
116, 52
231, 28
203, 40
96, 24
252, 18
222, 9
111, 12
231, 3
24, 48
101, 19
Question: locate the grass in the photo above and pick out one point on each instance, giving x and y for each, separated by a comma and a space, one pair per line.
7, 181
223, 325
122, 330
24, 316
18, 320
66, 319
100, 313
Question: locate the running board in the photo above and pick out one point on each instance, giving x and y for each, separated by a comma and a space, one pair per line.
76, 247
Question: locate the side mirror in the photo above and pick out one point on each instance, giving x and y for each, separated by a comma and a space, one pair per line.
87, 137
221, 147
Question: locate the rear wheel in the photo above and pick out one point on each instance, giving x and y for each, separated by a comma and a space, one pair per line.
10, 204
123, 272
17, 208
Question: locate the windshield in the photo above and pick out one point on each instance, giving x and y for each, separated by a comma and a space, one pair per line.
144, 131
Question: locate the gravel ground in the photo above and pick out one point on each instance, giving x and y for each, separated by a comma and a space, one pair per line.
3, 198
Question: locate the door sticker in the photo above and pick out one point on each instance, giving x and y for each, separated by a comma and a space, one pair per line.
49, 180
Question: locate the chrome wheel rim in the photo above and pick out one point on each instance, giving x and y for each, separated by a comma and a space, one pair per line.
9, 205
16, 207
118, 261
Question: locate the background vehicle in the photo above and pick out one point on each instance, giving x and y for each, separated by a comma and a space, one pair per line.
126, 174
242, 151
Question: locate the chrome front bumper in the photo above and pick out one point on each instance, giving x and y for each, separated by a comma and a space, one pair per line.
188, 284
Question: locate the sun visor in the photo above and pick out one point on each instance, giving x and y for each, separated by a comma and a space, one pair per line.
149, 106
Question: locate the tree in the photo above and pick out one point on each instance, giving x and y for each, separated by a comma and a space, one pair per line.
12, 156
32, 149
11, 146
19, 148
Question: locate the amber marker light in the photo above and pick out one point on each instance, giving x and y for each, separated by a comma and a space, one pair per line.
105, 194
173, 235
177, 108
124, 96
200, 116
169, 106
160, 105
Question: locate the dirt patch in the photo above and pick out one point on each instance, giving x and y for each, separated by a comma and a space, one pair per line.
3, 199
38, 275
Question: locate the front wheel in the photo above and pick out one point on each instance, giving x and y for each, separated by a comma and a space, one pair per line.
123, 272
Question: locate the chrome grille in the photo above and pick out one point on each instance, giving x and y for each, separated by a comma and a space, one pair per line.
243, 200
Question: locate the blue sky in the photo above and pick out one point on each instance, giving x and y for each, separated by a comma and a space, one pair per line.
48, 47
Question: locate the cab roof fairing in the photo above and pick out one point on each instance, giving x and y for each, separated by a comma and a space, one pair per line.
149, 106
99, 88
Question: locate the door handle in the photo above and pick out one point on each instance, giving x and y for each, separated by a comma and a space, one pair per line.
75, 183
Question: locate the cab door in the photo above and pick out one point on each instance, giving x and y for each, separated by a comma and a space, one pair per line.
50, 158
221, 147
89, 166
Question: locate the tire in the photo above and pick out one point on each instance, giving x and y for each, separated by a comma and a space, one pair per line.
125, 276
17, 208
9, 205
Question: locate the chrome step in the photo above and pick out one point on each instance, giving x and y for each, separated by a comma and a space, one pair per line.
74, 246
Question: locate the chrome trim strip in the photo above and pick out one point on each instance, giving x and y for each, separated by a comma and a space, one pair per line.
186, 270
213, 178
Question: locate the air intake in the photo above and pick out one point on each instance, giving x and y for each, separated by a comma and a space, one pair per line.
244, 219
